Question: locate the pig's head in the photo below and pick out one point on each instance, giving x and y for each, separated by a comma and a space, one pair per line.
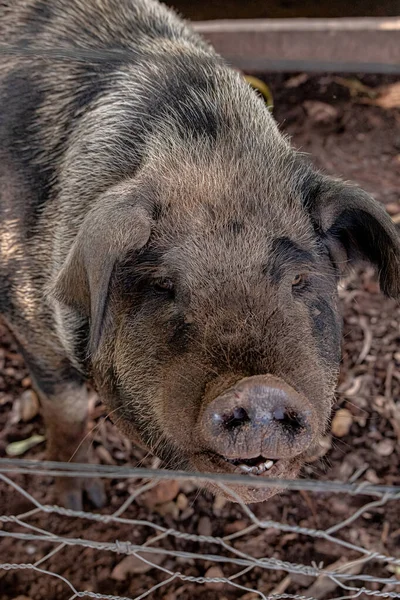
210, 281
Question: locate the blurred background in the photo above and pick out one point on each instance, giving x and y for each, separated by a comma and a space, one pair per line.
284, 9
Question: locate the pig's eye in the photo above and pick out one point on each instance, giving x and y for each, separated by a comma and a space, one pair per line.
299, 282
164, 286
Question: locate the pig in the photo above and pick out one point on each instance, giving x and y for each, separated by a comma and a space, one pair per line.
162, 241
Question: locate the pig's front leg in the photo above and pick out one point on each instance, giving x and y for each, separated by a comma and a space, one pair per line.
65, 415
64, 405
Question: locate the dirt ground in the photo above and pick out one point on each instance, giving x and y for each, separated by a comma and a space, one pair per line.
352, 129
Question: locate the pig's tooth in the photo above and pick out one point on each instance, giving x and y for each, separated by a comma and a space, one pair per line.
246, 468
257, 469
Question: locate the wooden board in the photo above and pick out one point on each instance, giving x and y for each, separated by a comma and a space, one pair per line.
352, 45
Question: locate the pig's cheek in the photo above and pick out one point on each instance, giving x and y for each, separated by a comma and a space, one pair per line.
312, 323
180, 404
325, 326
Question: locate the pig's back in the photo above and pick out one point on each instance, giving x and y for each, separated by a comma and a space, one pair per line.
43, 102
89, 23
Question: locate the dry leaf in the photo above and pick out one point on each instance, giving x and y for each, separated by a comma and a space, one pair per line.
355, 87
384, 448
389, 96
104, 455
372, 477
324, 445
393, 208
214, 572
15, 415
26, 382
320, 112
235, 526
28, 405
133, 565
342, 422
167, 508
163, 492
204, 527
296, 80
182, 502
219, 504
282, 586
187, 487
324, 585
22, 446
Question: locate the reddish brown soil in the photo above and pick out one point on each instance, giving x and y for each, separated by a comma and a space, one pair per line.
349, 138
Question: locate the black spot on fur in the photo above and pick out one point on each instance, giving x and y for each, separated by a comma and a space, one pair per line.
326, 330
234, 227
184, 94
198, 121
285, 252
157, 211
133, 274
81, 335
362, 236
21, 96
147, 258
5, 295
309, 184
93, 80
37, 18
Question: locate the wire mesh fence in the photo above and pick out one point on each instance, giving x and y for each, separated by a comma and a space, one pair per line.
169, 561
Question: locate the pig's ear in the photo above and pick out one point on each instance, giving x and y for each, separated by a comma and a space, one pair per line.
357, 228
118, 223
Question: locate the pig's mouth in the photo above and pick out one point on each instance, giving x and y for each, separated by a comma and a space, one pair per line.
259, 466
253, 466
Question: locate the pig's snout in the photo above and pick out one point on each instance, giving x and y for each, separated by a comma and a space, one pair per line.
259, 420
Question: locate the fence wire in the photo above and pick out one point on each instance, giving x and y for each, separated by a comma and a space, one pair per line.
123, 55
349, 576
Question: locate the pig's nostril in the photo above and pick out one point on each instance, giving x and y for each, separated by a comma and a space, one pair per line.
288, 419
236, 418
240, 414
